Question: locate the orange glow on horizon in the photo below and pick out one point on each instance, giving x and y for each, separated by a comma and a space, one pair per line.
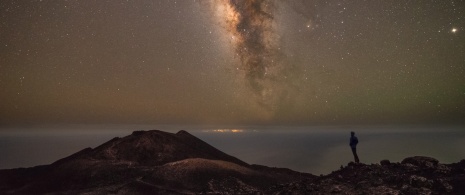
224, 131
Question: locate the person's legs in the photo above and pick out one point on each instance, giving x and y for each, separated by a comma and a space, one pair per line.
354, 152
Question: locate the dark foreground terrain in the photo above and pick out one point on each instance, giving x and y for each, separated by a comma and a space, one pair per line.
156, 162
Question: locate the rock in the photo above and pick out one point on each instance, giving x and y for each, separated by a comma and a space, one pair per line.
442, 169
418, 181
421, 161
444, 185
384, 190
385, 162
410, 167
336, 189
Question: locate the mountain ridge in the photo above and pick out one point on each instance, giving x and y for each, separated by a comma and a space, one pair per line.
151, 148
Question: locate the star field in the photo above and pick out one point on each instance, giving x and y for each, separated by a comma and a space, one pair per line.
182, 62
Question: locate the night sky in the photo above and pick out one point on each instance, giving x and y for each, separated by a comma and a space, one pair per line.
259, 62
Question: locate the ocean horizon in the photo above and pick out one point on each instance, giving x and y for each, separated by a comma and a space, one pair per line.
311, 149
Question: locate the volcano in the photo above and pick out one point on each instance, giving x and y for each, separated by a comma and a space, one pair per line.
147, 162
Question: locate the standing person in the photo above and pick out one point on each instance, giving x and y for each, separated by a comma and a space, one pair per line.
353, 145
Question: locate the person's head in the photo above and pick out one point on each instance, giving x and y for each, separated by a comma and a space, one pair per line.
352, 133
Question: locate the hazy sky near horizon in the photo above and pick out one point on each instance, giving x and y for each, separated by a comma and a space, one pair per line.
232, 62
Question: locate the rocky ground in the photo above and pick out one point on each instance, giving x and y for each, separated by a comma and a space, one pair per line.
414, 175
156, 162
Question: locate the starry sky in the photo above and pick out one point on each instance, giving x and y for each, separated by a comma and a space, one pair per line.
254, 62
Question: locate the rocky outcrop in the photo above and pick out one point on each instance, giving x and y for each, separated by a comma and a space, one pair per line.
421, 161
414, 175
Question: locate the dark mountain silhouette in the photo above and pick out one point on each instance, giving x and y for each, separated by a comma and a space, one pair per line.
156, 162
152, 148
146, 162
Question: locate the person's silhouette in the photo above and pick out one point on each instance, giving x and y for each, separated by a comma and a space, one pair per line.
353, 145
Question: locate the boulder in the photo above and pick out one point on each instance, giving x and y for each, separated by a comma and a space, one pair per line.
385, 162
421, 161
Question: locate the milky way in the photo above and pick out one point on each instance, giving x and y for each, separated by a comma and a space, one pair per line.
251, 25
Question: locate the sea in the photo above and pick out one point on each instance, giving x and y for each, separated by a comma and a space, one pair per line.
317, 150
